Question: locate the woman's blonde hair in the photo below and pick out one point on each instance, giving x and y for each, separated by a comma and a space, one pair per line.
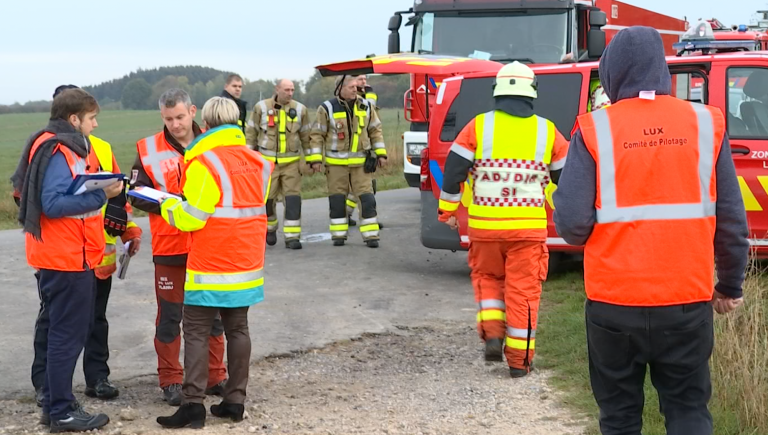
219, 111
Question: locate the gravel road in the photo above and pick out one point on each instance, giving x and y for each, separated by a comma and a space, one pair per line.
415, 381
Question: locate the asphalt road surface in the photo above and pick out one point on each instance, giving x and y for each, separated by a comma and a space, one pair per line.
315, 296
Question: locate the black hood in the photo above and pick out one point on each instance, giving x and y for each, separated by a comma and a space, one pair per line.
634, 62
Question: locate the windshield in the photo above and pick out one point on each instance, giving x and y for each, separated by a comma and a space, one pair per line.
540, 37
558, 101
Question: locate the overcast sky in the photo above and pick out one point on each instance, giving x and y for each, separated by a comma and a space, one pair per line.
46, 42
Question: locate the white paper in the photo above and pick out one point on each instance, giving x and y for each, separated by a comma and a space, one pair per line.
152, 194
91, 185
125, 259
484, 55
648, 95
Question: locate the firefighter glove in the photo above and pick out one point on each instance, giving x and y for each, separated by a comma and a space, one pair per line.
371, 161
115, 218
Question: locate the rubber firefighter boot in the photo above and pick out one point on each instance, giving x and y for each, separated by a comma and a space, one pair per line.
271, 238
519, 373
293, 244
188, 414
494, 349
338, 242
372, 243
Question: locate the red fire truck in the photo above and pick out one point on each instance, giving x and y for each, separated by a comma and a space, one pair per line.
531, 31
736, 83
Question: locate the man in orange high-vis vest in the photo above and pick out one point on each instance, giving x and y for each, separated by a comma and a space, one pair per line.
512, 154
65, 243
651, 190
159, 165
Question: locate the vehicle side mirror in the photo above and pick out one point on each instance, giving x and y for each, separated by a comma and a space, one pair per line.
595, 43
597, 18
394, 43
394, 22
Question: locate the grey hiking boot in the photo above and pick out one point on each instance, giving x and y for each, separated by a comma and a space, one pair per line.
172, 394
78, 420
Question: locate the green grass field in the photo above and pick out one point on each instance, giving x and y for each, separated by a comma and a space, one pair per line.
123, 128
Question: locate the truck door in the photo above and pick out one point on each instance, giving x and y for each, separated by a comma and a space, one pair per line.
742, 95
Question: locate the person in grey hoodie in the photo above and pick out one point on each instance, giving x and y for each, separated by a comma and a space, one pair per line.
640, 310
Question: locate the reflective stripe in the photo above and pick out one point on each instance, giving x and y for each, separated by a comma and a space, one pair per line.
492, 303
281, 132
153, 161
292, 223
85, 215
225, 278
379, 145
322, 128
369, 221
268, 153
488, 124
453, 197
512, 224
463, 152
339, 221
334, 139
491, 315
520, 333
611, 212
299, 111
447, 205
315, 150
514, 343
541, 138
264, 122
226, 183
237, 213
556, 166
195, 212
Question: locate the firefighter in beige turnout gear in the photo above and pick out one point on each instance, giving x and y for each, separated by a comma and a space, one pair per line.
279, 129
349, 131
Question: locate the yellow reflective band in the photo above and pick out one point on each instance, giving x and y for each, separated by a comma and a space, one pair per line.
286, 160
281, 131
202, 284
339, 115
343, 227
291, 229
508, 212
345, 162
367, 228
447, 205
512, 224
515, 343
380, 151
351, 203
489, 315
109, 260
313, 158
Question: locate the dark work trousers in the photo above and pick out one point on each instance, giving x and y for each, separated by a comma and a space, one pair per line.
70, 300
676, 342
96, 347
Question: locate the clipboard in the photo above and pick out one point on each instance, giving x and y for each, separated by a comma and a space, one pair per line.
89, 182
125, 260
151, 195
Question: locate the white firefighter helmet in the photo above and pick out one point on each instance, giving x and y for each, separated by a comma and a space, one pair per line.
599, 98
515, 79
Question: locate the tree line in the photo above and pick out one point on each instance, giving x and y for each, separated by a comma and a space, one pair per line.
140, 90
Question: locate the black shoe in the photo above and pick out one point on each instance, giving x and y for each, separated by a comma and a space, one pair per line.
172, 394
519, 373
338, 242
39, 396
271, 238
352, 222
188, 414
494, 349
78, 420
231, 410
372, 243
381, 225
216, 390
102, 390
293, 244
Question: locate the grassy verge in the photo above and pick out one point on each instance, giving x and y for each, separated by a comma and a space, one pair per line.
739, 403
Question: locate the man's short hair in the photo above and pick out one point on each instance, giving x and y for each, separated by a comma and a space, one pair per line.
233, 77
343, 80
220, 111
62, 88
174, 96
73, 102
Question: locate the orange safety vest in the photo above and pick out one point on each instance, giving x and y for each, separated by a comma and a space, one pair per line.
72, 243
163, 165
652, 242
225, 266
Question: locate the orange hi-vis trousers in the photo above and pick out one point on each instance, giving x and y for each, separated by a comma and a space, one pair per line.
507, 278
